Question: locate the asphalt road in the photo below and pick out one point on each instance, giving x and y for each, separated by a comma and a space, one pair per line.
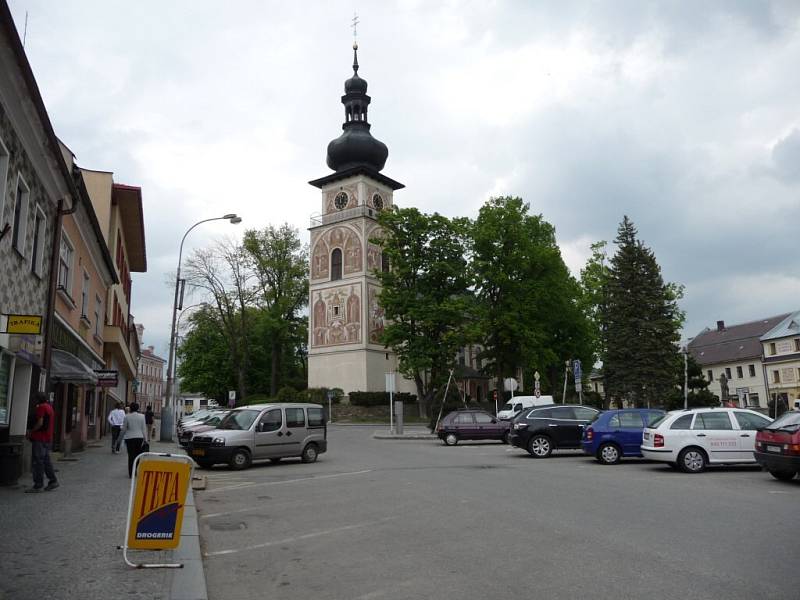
378, 519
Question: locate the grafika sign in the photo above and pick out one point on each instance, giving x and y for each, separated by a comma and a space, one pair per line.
157, 509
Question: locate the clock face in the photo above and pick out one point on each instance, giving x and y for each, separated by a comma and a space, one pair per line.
377, 202
341, 200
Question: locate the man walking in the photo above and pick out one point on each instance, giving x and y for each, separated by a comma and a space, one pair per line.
116, 417
41, 437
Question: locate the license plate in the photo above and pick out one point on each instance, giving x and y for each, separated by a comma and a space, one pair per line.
199, 452
774, 449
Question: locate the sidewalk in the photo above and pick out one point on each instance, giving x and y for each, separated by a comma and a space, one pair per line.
414, 432
62, 545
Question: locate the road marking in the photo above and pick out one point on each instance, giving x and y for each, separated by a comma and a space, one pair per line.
316, 477
778, 492
299, 538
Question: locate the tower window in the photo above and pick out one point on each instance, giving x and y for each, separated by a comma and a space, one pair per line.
384, 263
336, 264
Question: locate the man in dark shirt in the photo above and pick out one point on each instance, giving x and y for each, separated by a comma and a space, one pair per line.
41, 437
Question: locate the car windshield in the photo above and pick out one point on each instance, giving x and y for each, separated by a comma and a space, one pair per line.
239, 419
507, 406
789, 421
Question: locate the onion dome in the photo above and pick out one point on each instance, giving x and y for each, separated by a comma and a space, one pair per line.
356, 146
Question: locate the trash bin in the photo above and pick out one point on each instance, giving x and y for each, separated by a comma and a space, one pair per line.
10, 462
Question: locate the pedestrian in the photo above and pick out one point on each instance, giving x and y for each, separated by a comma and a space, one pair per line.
115, 418
134, 432
148, 418
41, 437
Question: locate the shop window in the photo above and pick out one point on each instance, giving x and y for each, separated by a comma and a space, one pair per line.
6, 364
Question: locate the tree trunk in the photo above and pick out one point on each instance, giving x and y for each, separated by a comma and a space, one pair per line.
276, 364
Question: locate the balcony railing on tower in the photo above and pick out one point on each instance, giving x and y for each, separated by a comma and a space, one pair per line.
343, 215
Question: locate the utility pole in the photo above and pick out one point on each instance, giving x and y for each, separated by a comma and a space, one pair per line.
685, 378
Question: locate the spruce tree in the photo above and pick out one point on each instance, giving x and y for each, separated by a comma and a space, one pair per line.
642, 324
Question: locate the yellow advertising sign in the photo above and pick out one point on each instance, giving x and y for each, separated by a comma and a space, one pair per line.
158, 500
28, 324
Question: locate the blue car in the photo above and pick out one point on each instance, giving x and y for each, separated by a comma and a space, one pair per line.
617, 433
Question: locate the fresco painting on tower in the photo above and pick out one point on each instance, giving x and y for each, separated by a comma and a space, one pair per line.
336, 316
344, 238
376, 318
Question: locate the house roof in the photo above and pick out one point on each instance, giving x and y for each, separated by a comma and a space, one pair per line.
789, 327
732, 343
129, 200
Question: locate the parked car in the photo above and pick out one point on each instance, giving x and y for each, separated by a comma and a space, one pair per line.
778, 446
544, 429
263, 432
695, 438
202, 417
210, 422
471, 425
617, 433
519, 403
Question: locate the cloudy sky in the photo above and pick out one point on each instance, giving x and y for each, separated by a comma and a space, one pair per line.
683, 115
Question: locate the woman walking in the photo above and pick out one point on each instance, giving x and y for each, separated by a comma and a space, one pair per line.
134, 432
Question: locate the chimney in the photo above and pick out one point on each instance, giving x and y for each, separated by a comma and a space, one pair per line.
720, 325
151, 349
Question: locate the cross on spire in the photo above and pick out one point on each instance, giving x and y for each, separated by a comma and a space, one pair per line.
355, 26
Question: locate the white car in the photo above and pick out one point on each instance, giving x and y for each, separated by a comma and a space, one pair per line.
693, 439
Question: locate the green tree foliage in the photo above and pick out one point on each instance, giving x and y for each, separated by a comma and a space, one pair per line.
205, 361
641, 324
280, 265
425, 295
529, 305
593, 281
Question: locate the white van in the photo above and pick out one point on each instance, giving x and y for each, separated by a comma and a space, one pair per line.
519, 403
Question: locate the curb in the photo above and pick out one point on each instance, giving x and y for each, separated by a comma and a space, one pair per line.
189, 583
405, 436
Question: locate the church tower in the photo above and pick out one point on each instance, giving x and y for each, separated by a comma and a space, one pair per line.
345, 320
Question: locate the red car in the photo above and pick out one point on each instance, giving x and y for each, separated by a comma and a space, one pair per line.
472, 425
778, 446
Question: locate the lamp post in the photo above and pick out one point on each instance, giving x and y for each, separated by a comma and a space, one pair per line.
167, 415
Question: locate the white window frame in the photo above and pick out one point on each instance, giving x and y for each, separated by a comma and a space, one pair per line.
98, 314
67, 285
86, 283
19, 234
37, 250
5, 158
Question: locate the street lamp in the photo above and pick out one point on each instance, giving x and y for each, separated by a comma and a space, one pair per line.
167, 415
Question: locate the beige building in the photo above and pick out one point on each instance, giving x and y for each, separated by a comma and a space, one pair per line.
781, 351
85, 273
735, 353
119, 212
150, 380
345, 320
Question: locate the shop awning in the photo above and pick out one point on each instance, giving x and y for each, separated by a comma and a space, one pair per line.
68, 368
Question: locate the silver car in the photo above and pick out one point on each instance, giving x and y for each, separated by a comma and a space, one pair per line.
263, 432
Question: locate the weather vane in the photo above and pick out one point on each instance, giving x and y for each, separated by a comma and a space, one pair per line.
355, 26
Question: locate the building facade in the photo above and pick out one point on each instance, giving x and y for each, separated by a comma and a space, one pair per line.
35, 186
150, 380
731, 359
781, 352
119, 212
85, 273
345, 318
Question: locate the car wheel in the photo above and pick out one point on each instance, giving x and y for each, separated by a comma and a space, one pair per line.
451, 439
505, 438
609, 454
309, 453
540, 446
240, 459
204, 464
275, 461
692, 460
783, 475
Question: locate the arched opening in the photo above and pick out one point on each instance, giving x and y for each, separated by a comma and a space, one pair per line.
336, 264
